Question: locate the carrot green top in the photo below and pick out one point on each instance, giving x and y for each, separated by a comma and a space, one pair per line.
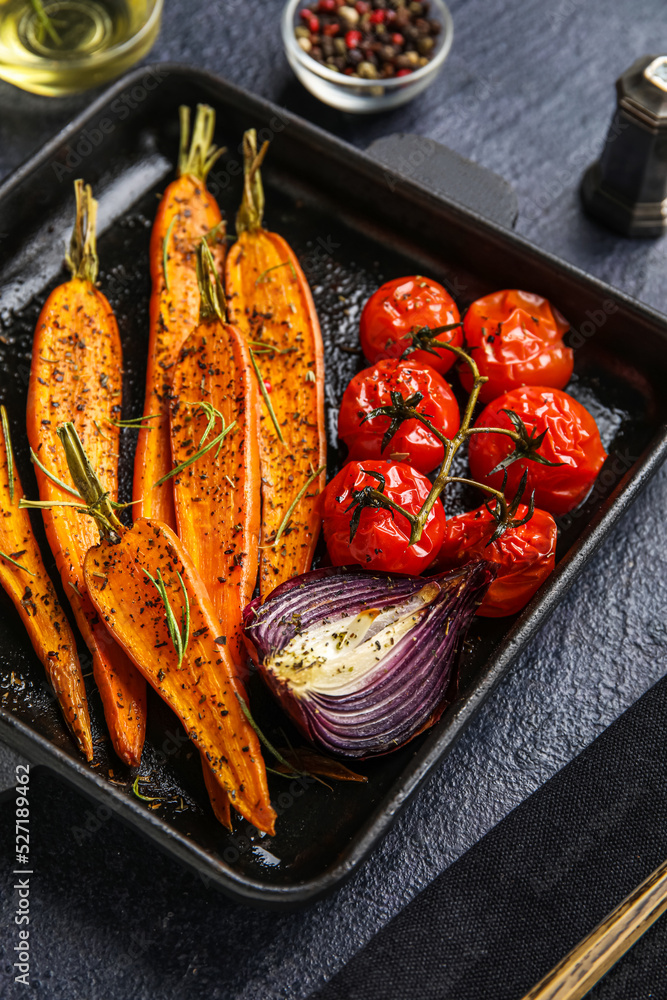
81, 257
198, 156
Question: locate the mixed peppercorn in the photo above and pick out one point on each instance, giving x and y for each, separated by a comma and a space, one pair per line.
371, 39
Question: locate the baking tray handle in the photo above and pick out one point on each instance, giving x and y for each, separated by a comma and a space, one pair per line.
446, 173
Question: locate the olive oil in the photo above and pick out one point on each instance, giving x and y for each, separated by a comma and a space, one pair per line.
59, 47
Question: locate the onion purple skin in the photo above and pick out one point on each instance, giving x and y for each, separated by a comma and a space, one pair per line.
410, 692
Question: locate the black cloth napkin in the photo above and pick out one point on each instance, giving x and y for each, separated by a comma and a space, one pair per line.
496, 921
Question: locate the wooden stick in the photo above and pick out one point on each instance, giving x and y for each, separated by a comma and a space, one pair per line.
593, 957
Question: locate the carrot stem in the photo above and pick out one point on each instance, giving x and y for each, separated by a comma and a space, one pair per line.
82, 257
251, 212
211, 293
198, 156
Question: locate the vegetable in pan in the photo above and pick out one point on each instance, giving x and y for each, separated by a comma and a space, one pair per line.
147, 590
76, 375
24, 578
232, 455
361, 661
561, 468
523, 556
270, 301
187, 212
401, 313
376, 535
215, 446
516, 338
368, 436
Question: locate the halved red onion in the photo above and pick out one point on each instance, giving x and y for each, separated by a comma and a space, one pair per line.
361, 661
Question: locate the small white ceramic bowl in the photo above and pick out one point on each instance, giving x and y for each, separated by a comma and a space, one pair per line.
349, 93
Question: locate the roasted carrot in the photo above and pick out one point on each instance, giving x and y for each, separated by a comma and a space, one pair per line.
76, 375
217, 487
198, 682
147, 590
186, 213
269, 299
217, 795
24, 577
217, 495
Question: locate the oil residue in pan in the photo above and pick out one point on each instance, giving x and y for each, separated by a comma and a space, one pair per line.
344, 267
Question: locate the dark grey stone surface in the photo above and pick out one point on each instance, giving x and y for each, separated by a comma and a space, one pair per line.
528, 92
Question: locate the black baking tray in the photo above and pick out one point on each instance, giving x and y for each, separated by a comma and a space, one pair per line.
354, 220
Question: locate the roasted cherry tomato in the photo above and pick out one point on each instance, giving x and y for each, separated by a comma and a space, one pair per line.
381, 537
523, 556
402, 306
516, 339
571, 439
413, 442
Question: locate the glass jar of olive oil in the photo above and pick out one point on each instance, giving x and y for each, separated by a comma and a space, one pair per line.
58, 47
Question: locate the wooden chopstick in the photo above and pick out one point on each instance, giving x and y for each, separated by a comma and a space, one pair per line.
593, 957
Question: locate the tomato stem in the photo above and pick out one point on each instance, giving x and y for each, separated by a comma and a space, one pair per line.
496, 430
406, 409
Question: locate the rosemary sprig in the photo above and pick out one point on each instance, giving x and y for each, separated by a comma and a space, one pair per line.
8, 452
179, 634
54, 479
292, 771
270, 349
265, 740
291, 508
165, 251
3, 555
94, 499
212, 415
284, 263
265, 396
135, 789
135, 422
210, 411
51, 504
218, 234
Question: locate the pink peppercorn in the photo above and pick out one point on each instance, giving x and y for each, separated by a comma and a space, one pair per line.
314, 25
397, 39
331, 29
352, 39
326, 6
377, 17
362, 6
404, 72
